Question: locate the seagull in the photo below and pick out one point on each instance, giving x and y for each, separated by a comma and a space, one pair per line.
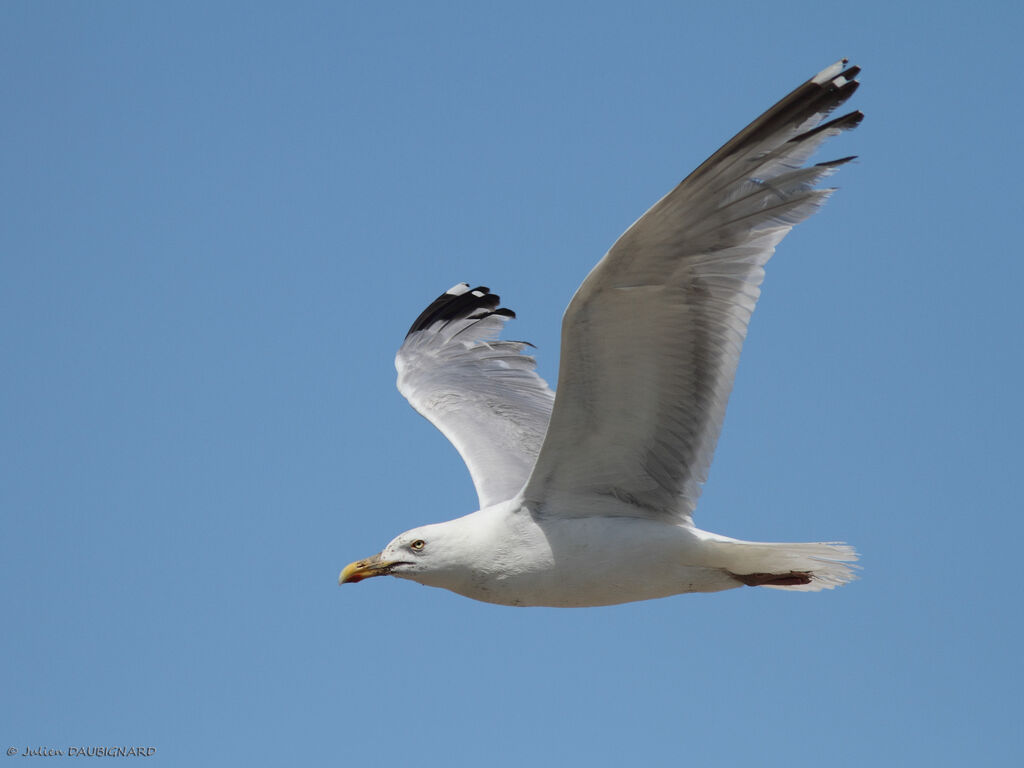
587, 497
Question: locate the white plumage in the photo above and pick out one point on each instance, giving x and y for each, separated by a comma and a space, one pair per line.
587, 498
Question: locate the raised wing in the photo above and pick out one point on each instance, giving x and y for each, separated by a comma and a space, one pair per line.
483, 394
651, 340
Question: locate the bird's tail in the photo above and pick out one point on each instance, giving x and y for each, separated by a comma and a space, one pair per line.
804, 567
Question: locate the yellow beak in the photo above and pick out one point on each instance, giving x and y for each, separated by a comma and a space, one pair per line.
365, 569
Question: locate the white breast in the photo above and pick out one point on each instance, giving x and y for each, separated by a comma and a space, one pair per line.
583, 561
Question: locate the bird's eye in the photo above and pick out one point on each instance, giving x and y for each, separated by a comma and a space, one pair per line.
418, 545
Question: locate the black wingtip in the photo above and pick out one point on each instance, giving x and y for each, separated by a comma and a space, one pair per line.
836, 163
850, 73
457, 302
817, 97
847, 122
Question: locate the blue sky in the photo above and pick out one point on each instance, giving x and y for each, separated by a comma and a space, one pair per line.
219, 220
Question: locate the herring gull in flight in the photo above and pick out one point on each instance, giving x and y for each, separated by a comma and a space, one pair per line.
587, 497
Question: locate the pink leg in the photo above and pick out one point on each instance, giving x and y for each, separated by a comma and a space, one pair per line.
790, 579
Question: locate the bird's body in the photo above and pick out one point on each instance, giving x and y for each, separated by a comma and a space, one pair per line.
587, 498
508, 554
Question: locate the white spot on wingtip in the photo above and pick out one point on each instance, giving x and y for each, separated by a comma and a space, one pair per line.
829, 72
458, 289
478, 294
839, 82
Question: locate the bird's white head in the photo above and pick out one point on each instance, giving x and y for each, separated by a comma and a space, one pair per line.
431, 554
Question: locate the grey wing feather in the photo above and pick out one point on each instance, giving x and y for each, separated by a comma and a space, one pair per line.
482, 393
652, 338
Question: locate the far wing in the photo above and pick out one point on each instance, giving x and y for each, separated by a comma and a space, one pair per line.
651, 340
483, 394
